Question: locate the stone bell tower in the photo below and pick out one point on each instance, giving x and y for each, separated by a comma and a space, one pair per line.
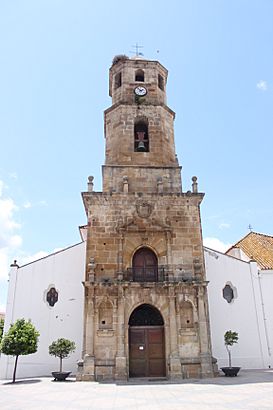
146, 309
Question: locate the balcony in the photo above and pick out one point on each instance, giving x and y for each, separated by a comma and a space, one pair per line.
147, 274
159, 273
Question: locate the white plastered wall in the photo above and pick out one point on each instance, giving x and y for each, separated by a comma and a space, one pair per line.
27, 299
245, 314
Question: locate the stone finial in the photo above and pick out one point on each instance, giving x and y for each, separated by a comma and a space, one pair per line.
14, 264
125, 184
159, 185
194, 185
90, 184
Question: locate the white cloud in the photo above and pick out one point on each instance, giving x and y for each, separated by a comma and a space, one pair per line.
216, 244
224, 225
10, 241
1, 187
29, 204
262, 85
2, 308
13, 175
23, 260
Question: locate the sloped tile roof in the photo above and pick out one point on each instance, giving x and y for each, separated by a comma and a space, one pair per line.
258, 247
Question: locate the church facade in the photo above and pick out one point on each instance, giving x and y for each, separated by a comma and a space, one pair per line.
135, 294
146, 307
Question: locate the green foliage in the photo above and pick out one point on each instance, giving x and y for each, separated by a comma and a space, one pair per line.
1, 328
61, 348
231, 338
20, 339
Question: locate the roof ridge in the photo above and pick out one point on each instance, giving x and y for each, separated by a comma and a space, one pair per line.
52, 253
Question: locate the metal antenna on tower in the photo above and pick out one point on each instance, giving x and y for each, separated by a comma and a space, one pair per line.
137, 52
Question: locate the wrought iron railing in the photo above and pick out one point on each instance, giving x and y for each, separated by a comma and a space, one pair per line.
147, 274
159, 273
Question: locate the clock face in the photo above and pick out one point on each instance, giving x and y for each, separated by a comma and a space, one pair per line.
141, 91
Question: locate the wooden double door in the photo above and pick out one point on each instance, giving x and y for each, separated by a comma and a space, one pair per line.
146, 351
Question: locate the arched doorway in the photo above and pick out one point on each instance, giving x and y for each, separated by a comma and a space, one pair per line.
145, 266
146, 343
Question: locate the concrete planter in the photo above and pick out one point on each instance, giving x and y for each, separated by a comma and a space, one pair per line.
230, 371
60, 376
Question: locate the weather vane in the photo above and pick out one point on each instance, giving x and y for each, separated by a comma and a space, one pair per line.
137, 47
250, 228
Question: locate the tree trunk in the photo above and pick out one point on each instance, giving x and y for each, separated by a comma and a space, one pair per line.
61, 364
229, 356
15, 367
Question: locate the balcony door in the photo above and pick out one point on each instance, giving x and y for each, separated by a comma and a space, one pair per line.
145, 265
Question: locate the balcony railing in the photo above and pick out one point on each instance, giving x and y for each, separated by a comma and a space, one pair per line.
159, 273
147, 274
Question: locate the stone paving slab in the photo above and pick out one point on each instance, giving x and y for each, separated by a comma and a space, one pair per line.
251, 390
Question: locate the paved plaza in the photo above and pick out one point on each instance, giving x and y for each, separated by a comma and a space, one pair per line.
251, 390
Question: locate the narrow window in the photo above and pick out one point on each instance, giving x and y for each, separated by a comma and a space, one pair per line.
141, 136
160, 82
139, 76
117, 80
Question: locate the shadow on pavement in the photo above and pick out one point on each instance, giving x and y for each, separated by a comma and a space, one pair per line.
29, 381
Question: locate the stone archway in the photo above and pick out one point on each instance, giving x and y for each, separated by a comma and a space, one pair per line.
146, 343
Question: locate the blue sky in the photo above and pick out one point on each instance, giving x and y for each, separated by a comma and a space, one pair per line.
54, 61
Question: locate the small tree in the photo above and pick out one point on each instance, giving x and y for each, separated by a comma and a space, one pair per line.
1, 328
61, 348
230, 339
20, 339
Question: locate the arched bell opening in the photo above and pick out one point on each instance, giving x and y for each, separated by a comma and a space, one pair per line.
146, 343
139, 76
145, 265
141, 136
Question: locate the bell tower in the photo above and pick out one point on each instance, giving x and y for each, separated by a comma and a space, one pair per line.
146, 308
139, 129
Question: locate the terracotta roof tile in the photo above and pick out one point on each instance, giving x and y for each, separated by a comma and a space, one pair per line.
258, 247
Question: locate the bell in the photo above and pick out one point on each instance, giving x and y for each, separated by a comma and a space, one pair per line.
141, 146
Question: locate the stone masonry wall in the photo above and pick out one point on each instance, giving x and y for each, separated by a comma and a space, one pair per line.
174, 222
119, 134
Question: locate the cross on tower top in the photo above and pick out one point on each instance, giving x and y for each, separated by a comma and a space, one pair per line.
137, 47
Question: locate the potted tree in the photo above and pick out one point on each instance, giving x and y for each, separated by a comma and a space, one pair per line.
61, 348
230, 339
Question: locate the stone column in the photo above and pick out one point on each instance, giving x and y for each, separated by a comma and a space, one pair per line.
204, 336
88, 371
169, 254
120, 256
120, 371
175, 365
